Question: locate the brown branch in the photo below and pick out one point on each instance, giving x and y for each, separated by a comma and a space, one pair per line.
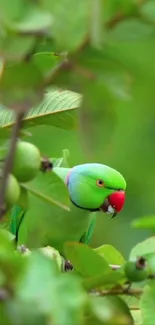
9, 161
121, 291
36, 33
134, 308
120, 16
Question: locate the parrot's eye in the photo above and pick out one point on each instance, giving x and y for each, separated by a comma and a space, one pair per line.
100, 183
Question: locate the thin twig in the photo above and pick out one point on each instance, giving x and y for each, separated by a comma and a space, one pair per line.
134, 308
9, 161
130, 292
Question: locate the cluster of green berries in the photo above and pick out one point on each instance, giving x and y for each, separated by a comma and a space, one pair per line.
26, 166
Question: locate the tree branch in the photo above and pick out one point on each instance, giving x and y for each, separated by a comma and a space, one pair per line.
9, 161
121, 291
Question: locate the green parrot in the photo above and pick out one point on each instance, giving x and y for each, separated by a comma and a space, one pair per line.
92, 187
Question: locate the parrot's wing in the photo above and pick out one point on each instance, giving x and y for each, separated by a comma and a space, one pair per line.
86, 238
17, 215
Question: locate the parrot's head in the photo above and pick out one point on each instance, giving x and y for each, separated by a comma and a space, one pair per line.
96, 187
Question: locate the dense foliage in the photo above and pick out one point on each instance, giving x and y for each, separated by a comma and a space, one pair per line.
78, 75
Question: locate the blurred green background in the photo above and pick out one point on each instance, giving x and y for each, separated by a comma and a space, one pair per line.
123, 138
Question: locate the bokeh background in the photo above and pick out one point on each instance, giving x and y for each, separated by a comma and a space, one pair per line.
120, 133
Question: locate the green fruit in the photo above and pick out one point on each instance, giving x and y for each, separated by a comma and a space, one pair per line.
109, 310
12, 191
137, 270
27, 161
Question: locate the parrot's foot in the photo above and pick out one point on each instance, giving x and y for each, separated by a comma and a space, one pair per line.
68, 266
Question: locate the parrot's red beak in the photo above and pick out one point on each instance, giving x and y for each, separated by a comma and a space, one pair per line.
114, 203
117, 200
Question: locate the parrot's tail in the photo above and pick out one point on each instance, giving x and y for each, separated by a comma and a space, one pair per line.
17, 215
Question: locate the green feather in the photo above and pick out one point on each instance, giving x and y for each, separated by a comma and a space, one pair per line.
86, 238
16, 217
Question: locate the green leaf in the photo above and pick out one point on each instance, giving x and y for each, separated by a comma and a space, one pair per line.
70, 27
69, 297
66, 154
6, 237
111, 254
142, 248
28, 288
57, 162
23, 82
147, 305
147, 222
104, 280
14, 47
59, 296
24, 17
34, 20
130, 30
11, 263
131, 301
61, 162
148, 10
58, 109
45, 61
53, 254
49, 188
21, 312
4, 140
85, 260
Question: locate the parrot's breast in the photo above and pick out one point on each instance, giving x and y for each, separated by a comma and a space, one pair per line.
52, 225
